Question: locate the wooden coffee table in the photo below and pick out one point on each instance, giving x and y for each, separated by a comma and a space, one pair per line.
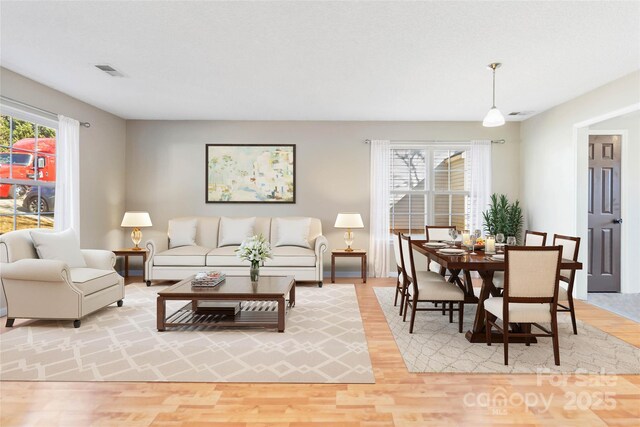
263, 304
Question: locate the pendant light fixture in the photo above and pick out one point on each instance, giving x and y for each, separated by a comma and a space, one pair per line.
494, 117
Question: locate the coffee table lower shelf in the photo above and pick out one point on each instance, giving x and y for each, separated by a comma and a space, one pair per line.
260, 314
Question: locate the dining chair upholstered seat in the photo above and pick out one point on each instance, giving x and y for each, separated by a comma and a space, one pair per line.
530, 296
531, 238
519, 312
426, 286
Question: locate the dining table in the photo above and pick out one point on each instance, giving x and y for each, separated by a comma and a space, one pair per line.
485, 265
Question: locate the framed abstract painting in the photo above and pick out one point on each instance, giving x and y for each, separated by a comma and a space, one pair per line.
250, 173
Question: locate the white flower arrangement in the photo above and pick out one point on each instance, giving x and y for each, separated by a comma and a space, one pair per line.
255, 249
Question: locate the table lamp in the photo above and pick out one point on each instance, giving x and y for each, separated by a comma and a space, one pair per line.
136, 220
349, 220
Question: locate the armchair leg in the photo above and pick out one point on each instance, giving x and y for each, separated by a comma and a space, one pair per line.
148, 282
76, 323
319, 283
9, 323
120, 303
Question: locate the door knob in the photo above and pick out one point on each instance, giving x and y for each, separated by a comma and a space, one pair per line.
617, 221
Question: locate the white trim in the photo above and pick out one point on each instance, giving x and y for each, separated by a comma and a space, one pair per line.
23, 114
581, 163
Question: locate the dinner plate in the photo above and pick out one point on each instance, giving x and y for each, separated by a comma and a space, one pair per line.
435, 245
450, 251
499, 257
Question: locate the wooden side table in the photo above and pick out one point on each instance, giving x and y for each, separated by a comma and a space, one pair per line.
126, 253
358, 253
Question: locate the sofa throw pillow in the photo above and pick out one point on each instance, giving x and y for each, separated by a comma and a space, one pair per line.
293, 232
63, 246
182, 233
233, 231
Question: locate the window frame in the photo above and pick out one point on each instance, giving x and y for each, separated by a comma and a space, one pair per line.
37, 120
429, 190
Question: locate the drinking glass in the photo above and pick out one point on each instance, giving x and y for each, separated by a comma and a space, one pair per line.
477, 233
472, 244
499, 238
453, 233
511, 241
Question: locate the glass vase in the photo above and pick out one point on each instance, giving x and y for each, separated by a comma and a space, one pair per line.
254, 271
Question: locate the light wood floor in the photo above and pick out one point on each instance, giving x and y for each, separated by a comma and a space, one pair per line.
397, 397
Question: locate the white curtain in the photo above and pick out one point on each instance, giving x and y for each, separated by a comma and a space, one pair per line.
379, 210
67, 207
480, 193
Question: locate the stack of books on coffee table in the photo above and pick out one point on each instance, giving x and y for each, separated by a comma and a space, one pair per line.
207, 279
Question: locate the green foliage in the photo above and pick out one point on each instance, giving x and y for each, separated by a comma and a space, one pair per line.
503, 217
21, 129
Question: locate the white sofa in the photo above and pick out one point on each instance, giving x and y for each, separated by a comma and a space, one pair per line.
210, 247
37, 288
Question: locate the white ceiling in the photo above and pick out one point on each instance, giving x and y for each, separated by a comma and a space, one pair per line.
320, 60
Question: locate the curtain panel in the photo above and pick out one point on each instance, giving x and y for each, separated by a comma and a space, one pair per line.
480, 191
379, 208
67, 207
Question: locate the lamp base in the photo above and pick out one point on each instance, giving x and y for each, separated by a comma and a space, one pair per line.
136, 237
349, 249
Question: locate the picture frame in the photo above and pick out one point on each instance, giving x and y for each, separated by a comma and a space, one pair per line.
250, 173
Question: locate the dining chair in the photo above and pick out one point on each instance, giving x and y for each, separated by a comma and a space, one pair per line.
530, 296
437, 233
427, 286
570, 247
401, 286
531, 238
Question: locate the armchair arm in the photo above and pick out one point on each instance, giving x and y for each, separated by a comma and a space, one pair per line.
321, 245
41, 270
99, 258
151, 247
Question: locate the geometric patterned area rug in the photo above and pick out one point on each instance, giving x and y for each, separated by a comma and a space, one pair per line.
436, 346
323, 342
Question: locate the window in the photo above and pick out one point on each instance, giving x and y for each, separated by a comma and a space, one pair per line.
429, 186
27, 173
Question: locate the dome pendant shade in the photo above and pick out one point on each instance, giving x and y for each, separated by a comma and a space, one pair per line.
493, 118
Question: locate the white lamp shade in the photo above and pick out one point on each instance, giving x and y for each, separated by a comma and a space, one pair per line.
349, 220
136, 219
493, 118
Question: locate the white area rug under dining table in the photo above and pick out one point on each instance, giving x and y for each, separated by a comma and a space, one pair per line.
324, 342
436, 346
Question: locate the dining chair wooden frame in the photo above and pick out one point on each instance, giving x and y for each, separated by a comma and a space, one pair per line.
569, 280
413, 298
535, 233
490, 319
401, 285
443, 271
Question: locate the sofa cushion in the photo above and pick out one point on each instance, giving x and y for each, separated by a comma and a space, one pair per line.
182, 232
182, 256
91, 280
225, 257
291, 256
292, 232
233, 231
63, 246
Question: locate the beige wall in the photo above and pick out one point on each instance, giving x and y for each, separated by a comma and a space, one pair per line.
102, 162
166, 167
553, 193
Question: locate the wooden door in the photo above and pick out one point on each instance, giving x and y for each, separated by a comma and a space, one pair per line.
603, 243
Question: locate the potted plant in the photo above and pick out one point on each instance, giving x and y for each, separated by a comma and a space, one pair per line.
255, 249
503, 217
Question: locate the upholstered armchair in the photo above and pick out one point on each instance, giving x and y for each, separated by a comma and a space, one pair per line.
37, 288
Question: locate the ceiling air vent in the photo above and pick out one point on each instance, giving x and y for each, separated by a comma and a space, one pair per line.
520, 113
110, 70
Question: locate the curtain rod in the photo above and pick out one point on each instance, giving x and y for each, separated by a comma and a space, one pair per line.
23, 104
493, 141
